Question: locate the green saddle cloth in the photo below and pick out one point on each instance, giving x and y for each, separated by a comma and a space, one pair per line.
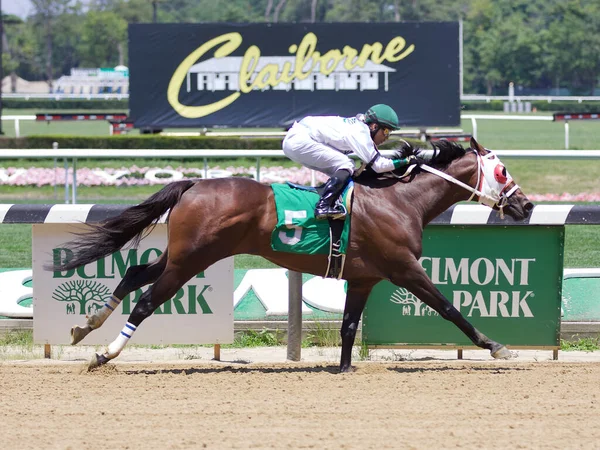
297, 230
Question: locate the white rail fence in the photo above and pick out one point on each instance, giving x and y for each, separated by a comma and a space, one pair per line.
472, 117
74, 154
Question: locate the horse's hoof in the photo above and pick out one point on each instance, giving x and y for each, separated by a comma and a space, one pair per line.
502, 353
346, 369
97, 361
78, 333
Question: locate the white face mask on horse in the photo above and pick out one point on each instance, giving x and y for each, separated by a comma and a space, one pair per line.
492, 187
492, 179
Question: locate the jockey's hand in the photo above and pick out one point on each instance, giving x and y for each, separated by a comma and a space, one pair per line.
408, 161
412, 159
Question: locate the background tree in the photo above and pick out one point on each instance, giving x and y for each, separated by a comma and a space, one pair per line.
10, 52
537, 44
103, 40
572, 45
44, 18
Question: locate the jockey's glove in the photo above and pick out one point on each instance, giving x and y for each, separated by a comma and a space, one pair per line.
403, 162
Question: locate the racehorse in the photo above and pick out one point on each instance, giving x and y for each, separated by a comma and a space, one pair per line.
209, 220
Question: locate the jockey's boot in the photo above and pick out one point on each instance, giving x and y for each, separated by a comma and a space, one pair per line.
326, 207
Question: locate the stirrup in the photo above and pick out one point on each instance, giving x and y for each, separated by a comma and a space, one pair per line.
334, 213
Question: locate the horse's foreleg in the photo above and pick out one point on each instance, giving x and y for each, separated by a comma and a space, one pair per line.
356, 298
135, 278
167, 285
416, 281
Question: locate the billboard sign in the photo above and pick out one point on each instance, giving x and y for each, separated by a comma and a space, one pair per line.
269, 75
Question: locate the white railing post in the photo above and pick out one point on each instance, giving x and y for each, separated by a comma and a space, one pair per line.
17, 128
74, 190
566, 135
474, 126
66, 161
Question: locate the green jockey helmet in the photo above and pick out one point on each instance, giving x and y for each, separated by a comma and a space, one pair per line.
383, 115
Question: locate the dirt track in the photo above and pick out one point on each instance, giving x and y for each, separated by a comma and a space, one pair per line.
425, 404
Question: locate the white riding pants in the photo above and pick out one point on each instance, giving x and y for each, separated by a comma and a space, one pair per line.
300, 147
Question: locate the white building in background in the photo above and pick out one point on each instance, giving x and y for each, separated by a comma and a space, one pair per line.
222, 74
94, 81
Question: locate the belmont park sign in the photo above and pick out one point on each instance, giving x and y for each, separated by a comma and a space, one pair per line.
506, 280
200, 312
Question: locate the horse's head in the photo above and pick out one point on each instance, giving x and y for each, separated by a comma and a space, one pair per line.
499, 190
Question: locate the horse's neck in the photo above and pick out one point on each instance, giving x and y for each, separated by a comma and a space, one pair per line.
435, 195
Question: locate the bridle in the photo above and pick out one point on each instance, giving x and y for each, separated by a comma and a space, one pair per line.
491, 188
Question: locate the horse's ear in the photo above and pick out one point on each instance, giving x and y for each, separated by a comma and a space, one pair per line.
478, 147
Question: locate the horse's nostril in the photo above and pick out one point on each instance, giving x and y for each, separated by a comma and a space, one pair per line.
528, 206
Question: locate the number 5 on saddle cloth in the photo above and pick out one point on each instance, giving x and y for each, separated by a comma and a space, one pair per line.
297, 230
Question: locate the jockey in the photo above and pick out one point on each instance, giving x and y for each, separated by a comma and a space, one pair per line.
323, 143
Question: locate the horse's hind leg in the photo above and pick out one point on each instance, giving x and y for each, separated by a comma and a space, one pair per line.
135, 278
167, 285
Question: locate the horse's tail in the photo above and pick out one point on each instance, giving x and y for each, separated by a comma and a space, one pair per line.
113, 234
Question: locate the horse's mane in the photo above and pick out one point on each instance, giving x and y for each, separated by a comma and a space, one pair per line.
439, 156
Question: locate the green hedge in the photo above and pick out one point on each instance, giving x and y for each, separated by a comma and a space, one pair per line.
151, 141
52, 105
140, 142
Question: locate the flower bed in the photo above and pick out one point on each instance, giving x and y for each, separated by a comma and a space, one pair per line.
138, 176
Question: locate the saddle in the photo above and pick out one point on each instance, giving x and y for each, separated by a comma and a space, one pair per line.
336, 259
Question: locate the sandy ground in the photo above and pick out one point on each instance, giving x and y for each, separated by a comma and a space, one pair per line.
254, 399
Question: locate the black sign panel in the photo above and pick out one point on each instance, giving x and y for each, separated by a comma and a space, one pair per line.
268, 75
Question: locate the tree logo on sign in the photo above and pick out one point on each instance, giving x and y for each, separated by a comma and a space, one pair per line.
89, 296
411, 305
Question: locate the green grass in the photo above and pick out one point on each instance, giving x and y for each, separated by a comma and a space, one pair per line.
15, 242
85, 194
253, 338
22, 338
322, 336
18, 344
581, 246
526, 134
584, 344
555, 176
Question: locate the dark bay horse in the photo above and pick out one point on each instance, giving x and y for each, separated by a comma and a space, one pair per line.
212, 219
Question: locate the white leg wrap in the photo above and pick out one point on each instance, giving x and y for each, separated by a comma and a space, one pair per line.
120, 342
96, 320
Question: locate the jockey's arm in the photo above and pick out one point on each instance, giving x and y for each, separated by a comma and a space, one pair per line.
382, 164
365, 149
